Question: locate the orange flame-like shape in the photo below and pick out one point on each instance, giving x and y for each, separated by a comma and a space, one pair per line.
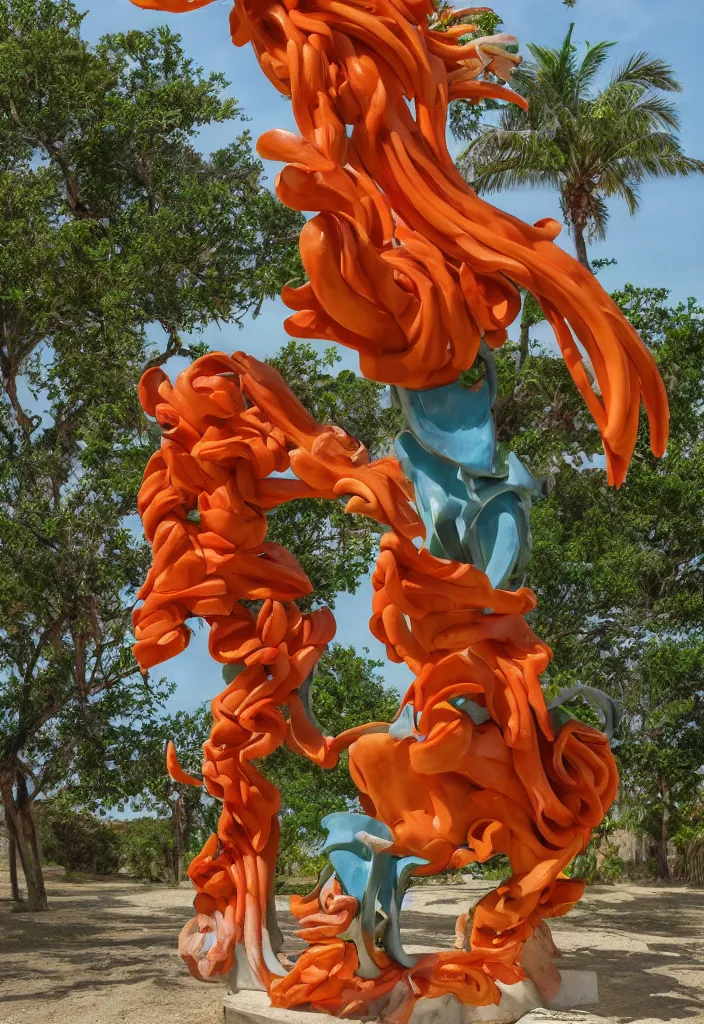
408, 267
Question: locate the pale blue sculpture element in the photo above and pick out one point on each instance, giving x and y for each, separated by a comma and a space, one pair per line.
454, 422
357, 848
476, 712
476, 520
473, 498
405, 725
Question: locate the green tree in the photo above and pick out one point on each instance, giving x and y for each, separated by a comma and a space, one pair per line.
619, 574
58, 757
76, 840
590, 143
347, 691
128, 768
147, 848
113, 227
662, 752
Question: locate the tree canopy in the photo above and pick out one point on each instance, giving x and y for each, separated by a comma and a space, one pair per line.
127, 769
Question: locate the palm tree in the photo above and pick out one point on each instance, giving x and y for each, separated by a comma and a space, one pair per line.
591, 144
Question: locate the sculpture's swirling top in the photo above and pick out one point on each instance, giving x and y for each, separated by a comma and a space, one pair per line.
406, 264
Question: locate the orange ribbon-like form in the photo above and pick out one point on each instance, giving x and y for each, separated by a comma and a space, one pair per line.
410, 268
406, 264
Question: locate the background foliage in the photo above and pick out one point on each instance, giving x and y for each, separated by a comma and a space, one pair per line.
620, 574
118, 240
119, 244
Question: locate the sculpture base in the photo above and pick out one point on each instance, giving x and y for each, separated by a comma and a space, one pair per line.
579, 988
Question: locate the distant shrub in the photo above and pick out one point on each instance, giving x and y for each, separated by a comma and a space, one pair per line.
613, 867
147, 849
600, 863
584, 866
76, 840
496, 869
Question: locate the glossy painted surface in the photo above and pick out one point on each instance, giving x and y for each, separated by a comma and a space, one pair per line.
407, 266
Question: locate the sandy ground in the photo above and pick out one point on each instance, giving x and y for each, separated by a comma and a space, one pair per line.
104, 954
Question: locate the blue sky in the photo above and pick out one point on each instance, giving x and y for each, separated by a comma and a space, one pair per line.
661, 246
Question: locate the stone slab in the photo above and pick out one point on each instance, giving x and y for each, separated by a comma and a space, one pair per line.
579, 988
518, 1002
541, 1016
254, 1008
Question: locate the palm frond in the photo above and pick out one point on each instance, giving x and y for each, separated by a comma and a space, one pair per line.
531, 151
658, 110
616, 183
592, 63
598, 220
655, 155
672, 164
590, 145
648, 72
625, 101
506, 176
555, 69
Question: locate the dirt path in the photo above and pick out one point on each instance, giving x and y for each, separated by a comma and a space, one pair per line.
646, 944
104, 954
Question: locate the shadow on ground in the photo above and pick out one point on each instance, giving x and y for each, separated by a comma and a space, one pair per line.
106, 953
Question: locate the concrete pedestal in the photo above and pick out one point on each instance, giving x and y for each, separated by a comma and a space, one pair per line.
579, 988
542, 1016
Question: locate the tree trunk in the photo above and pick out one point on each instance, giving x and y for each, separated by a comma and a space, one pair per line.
523, 341
14, 879
186, 829
21, 827
176, 813
664, 838
581, 247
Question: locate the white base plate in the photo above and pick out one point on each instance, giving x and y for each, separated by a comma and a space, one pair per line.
579, 988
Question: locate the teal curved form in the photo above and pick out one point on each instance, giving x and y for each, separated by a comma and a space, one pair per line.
358, 850
473, 497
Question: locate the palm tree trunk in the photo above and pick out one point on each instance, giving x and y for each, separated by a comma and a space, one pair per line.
581, 247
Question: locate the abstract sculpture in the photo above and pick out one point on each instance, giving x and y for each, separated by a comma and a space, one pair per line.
407, 266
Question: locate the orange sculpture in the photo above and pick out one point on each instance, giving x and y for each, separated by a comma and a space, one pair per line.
407, 266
